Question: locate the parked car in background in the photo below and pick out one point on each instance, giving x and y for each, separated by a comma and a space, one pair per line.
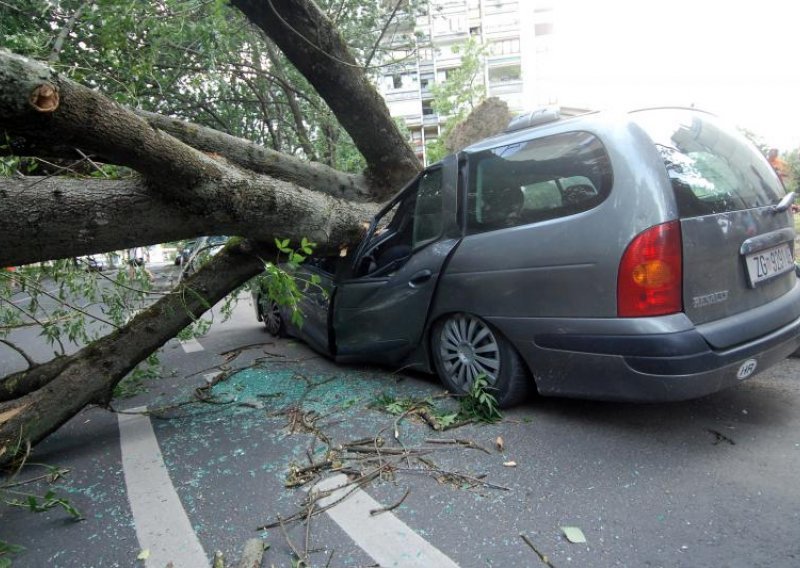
646, 256
201, 250
184, 253
90, 263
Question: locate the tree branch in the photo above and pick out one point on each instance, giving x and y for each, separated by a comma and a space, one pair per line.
36, 102
19, 350
315, 48
58, 44
311, 175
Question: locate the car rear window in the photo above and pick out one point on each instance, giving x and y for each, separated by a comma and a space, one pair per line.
712, 168
540, 179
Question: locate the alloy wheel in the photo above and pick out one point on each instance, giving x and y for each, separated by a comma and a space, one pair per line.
272, 317
468, 349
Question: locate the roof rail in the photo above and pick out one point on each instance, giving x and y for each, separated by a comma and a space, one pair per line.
535, 117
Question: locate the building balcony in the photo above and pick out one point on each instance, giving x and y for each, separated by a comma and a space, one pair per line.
404, 95
505, 88
449, 37
412, 121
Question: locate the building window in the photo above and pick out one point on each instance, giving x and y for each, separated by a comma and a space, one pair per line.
505, 47
427, 109
475, 31
398, 81
505, 74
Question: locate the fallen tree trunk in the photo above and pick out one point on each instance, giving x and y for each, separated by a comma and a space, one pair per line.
90, 375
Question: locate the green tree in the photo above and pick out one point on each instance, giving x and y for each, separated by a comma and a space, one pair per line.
458, 95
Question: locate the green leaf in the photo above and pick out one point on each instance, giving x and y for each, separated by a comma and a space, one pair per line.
574, 535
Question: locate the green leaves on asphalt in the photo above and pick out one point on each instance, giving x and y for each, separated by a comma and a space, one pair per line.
478, 405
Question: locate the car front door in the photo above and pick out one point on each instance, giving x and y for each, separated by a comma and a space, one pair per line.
315, 281
380, 312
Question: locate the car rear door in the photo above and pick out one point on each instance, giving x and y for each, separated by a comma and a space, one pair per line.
381, 311
736, 224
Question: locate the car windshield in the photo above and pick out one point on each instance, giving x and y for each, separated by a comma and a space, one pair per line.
712, 168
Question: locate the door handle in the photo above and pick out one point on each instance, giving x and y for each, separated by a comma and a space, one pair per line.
420, 278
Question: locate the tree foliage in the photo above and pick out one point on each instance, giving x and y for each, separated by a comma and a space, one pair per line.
458, 95
200, 61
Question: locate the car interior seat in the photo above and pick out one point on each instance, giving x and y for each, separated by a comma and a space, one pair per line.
500, 205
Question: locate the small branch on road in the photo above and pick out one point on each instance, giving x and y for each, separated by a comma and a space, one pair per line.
296, 552
720, 437
374, 512
455, 441
541, 556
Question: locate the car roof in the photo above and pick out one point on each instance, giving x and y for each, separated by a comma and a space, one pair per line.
591, 121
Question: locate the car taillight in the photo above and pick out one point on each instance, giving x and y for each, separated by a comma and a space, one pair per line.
650, 274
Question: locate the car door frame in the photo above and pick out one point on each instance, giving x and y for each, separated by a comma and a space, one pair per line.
362, 298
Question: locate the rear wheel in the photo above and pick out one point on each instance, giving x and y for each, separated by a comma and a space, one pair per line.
465, 347
271, 315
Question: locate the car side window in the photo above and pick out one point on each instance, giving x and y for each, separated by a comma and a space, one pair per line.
415, 220
428, 208
533, 181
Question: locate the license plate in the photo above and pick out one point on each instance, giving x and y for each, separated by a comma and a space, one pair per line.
768, 263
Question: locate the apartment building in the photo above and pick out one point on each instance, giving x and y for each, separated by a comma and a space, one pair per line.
518, 65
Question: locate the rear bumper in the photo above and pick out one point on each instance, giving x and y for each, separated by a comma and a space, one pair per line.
649, 367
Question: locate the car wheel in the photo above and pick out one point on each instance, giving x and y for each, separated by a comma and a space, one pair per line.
465, 347
271, 315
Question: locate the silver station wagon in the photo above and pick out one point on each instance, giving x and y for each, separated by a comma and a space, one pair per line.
646, 256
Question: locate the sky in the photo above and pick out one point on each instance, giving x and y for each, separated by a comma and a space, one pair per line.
739, 59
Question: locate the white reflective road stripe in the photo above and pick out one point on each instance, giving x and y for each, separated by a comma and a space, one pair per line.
162, 526
387, 539
192, 346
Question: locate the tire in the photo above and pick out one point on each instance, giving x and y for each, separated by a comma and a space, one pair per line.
464, 346
272, 318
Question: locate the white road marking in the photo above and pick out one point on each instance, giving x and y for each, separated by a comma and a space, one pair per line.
387, 539
27, 298
162, 526
191, 346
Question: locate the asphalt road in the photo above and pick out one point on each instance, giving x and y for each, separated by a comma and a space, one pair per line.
711, 482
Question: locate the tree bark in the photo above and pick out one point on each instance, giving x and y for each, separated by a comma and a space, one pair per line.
60, 218
311, 175
38, 103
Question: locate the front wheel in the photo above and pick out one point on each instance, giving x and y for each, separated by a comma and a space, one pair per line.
465, 347
271, 315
